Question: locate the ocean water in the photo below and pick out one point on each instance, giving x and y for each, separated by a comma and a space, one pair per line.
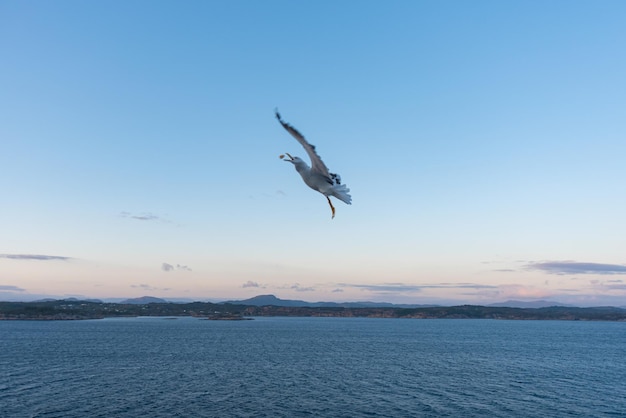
312, 367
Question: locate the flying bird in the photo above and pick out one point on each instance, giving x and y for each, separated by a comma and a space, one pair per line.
317, 177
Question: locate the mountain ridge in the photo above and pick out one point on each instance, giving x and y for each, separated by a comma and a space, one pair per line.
528, 304
143, 300
272, 300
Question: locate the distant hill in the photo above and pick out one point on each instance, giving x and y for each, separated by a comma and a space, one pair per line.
271, 300
268, 300
144, 300
529, 304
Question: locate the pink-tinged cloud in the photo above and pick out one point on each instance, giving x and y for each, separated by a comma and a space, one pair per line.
523, 292
140, 217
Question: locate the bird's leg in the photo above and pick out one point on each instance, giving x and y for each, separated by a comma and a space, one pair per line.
331, 206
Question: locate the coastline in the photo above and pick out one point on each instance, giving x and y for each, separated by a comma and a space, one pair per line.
61, 310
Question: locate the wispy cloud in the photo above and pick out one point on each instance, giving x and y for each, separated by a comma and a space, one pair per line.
169, 267
608, 285
408, 288
299, 288
38, 257
146, 216
148, 287
250, 283
615, 286
10, 288
574, 267
461, 286
385, 287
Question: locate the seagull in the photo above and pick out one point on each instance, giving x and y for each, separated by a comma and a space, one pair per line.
317, 177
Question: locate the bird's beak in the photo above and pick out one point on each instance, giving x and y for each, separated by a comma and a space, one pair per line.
288, 155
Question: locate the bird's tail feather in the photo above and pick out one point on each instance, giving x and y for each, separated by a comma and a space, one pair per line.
340, 191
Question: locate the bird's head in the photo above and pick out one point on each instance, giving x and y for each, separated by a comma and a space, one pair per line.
290, 159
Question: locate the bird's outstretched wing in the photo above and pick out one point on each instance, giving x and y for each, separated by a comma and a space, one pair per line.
317, 165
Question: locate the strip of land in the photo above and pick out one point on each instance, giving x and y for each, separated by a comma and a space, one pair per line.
73, 310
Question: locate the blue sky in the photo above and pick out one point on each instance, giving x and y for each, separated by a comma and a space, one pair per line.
483, 143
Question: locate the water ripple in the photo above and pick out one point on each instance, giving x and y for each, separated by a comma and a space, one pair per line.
310, 367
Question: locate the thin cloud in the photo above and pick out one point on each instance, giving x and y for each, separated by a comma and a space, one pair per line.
573, 267
386, 287
10, 288
143, 286
609, 285
169, 267
250, 283
148, 287
299, 288
408, 288
616, 286
38, 257
461, 286
146, 217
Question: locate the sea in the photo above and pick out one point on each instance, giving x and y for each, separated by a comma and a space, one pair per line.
312, 367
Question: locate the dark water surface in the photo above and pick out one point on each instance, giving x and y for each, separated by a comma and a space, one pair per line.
330, 367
